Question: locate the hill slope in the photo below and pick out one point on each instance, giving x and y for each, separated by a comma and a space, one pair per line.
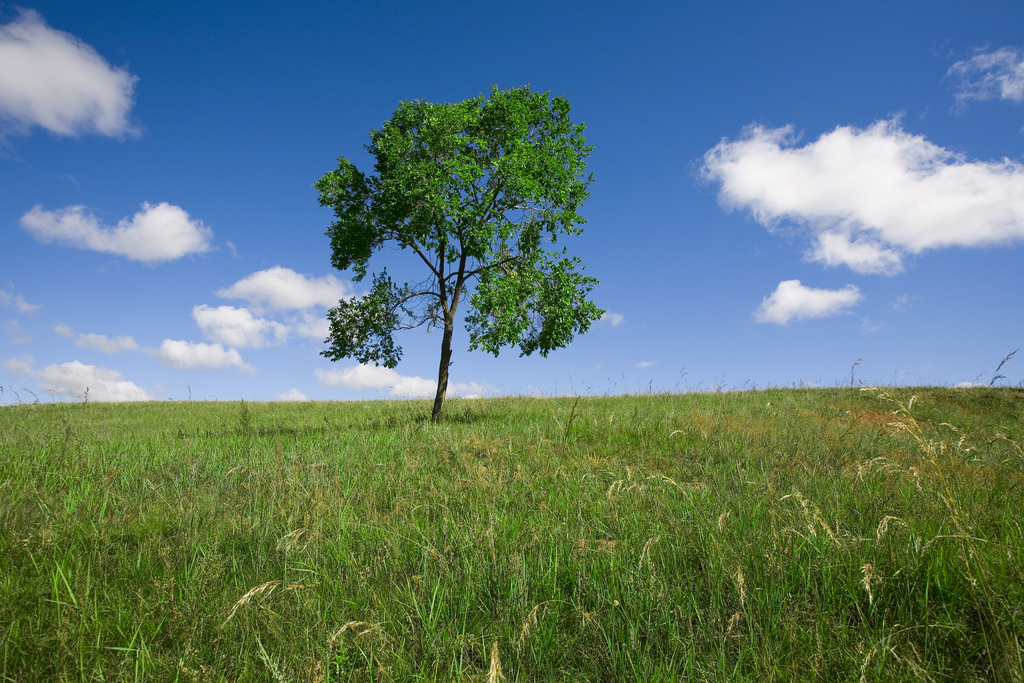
825, 534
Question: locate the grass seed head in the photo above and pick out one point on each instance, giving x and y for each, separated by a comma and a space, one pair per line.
741, 585
721, 519
529, 623
267, 588
494, 674
871, 578
646, 553
883, 526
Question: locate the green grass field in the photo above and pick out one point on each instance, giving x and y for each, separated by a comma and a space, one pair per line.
792, 534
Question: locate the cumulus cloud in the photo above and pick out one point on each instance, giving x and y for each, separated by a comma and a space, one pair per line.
74, 379
53, 80
237, 327
184, 355
16, 333
869, 197
292, 395
466, 390
102, 384
990, 75
64, 331
358, 377
793, 301
18, 303
19, 367
282, 289
614, 319
311, 325
156, 233
99, 342
646, 363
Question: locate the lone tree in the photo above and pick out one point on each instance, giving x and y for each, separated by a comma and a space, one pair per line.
480, 191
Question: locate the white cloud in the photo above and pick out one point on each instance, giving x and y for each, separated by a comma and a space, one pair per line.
988, 75
18, 303
902, 302
868, 197
237, 326
283, 289
464, 389
615, 319
19, 367
869, 327
185, 355
793, 301
156, 233
74, 379
99, 342
309, 324
64, 331
415, 387
17, 335
102, 384
646, 363
861, 254
53, 80
358, 377
292, 395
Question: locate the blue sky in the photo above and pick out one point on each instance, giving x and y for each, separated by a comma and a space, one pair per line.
780, 189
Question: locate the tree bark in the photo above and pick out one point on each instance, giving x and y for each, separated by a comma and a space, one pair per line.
446, 339
442, 370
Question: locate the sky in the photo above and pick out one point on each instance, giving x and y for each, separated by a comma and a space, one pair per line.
781, 190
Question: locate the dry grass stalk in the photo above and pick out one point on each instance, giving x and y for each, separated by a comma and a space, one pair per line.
913, 662
867, 466
267, 588
883, 526
494, 674
721, 520
529, 623
741, 584
355, 627
871, 578
264, 588
995, 375
733, 622
291, 539
584, 545
275, 669
646, 553
685, 487
867, 662
813, 517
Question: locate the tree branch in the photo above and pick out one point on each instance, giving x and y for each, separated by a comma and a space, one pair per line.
492, 266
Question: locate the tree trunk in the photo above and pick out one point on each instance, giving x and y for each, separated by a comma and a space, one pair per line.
446, 339
442, 370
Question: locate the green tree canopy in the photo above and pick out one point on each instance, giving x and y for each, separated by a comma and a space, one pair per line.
480, 191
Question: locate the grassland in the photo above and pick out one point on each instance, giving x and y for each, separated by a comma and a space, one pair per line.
824, 534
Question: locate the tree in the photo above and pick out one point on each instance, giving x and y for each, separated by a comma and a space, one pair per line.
480, 191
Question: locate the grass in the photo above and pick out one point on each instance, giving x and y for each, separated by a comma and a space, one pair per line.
818, 534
